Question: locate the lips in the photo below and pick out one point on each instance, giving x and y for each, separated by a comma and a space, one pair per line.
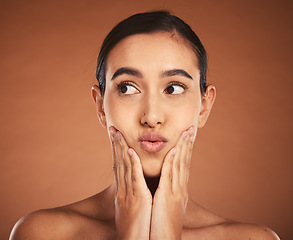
152, 141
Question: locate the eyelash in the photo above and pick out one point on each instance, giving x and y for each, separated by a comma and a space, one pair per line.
177, 84
124, 83
128, 83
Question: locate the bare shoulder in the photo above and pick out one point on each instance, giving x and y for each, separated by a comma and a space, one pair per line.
251, 231
44, 224
203, 224
244, 231
87, 219
232, 231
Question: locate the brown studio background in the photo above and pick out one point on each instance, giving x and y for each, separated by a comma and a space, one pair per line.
54, 152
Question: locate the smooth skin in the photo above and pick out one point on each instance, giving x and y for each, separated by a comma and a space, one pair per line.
148, 96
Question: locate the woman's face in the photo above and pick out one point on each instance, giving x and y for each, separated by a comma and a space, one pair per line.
152, 94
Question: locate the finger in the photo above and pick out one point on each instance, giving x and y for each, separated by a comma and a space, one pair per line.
138, 181
126, 163
166, 173
189, 151
177, 164
186, 158
120, 164
112, 132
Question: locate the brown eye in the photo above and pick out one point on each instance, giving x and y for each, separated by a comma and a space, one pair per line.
123, 89
127, 89
170, 89
175, 89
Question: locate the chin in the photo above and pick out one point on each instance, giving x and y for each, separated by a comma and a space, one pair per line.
151, 168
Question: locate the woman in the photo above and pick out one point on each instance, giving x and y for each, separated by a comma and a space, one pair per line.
152, 97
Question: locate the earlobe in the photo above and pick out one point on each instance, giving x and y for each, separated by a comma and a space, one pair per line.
206, 105
99, 102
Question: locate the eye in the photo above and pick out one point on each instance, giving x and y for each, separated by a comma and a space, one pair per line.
127, 88
175, 88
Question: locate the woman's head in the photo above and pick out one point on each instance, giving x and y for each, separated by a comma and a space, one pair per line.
151, 22
151, 86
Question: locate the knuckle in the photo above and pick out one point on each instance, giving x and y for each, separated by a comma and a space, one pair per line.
134, 178
127, 166
114, 168
188, 165
177, 166
190, 148
122, 146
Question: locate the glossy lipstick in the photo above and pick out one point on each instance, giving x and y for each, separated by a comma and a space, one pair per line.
152, 141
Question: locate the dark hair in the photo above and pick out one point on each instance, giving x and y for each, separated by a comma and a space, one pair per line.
150, 22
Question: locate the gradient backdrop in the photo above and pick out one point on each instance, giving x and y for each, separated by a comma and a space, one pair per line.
54, 152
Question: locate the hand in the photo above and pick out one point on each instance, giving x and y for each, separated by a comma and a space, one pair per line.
171, 197
133, 200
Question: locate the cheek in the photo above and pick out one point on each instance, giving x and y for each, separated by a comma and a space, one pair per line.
184, 117
118, 115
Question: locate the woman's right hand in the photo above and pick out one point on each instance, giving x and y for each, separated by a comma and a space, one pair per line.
133, 200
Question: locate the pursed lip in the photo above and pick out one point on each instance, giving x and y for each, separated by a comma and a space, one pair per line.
152, 141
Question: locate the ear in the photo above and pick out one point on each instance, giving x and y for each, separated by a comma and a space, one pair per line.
207, 102
99, 102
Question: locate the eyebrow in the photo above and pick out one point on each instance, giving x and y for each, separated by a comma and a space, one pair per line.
128, 71
174, 72
133, 72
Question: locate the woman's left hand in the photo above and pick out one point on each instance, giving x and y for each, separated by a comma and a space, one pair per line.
171, 197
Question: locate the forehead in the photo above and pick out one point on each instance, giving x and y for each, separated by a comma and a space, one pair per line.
154, 51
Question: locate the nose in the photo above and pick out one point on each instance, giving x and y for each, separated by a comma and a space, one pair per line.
152, 112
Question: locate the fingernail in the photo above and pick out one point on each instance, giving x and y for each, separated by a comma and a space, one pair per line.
112, 133
185, 135
130, 152
118, 135
174, 151
190, 131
